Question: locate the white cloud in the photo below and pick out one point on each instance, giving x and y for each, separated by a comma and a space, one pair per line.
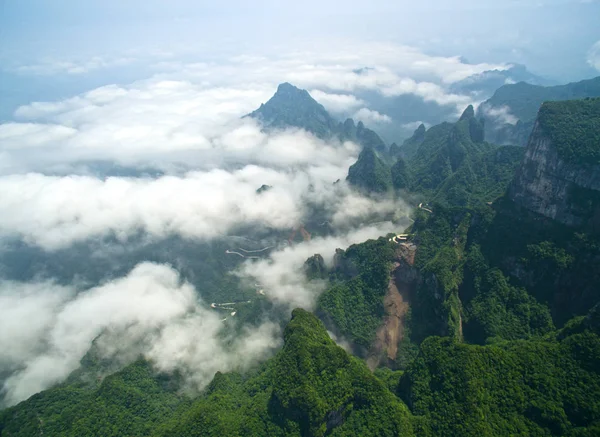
501, 114
414, 125
593, 57
157, 123
54, 212
72, 67
337, 103
282, 276
392, 70
369, 116
48, 329
177, 118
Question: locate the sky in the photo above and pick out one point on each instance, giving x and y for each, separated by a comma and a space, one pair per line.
118, 41
122, 121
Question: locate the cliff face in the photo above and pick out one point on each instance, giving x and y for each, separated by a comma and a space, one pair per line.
547, 184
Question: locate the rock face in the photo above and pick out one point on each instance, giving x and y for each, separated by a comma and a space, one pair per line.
314, 267
547, 184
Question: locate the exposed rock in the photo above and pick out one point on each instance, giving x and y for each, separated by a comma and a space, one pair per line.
468, 113
548, 185
314, 267
263, 188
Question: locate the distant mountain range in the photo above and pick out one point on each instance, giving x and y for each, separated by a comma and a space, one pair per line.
407, 110
511, 111
483, 85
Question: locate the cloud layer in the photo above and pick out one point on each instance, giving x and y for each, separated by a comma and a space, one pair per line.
593, 57
48, 329
172, 155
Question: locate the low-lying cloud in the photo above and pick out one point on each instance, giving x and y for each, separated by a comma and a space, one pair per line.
370, 117
593, 57
55, 212
47, 330
192, 168
282, 275
500, 114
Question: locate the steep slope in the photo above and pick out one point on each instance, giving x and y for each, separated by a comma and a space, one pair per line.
130, 402
444, 150
370, 172
294, 107
411, 145
449, 163
312, 387
522, 101
560, 174
482, 177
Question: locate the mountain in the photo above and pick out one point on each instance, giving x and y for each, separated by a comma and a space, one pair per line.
491, 313
449, 163
408, 110
511, 111
560, 175
483, 85
370, 173
312, 387
482, 177
536, 386
294, 107
411, 145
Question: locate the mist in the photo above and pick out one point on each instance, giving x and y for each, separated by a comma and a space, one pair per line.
118, 145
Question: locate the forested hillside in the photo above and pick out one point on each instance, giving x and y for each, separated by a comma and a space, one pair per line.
480, 319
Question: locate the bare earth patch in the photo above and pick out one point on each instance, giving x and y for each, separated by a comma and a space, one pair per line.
396, 305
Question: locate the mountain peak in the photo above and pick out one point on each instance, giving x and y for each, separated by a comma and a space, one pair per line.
287, 88
468, 113
294, 107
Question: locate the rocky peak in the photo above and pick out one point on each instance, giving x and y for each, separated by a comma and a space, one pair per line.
468, 113
287, 90
294, 107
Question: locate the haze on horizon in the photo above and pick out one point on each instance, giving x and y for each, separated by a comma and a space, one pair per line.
122, 135
55, 49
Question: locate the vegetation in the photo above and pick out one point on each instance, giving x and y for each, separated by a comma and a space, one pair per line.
312, 387
574, 128
354, 302
483, 177
539, 387
502, 336
448, 164
523, 100
130, 402
370, 173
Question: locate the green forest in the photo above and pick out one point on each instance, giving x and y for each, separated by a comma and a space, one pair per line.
501, 338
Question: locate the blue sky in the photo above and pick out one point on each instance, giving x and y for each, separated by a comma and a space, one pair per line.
553, 38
